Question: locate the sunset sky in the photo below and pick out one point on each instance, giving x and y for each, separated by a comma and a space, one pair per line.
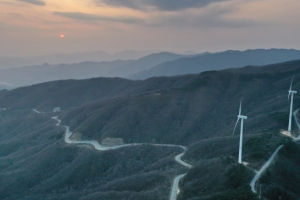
35, 27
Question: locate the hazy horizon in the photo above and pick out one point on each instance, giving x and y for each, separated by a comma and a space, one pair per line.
34, 27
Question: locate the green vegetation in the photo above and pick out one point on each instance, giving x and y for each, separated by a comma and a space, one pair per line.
215, 177
281, 180
198, 111
238, 178
241, 193
262, 146
276, 193
282, 118
55, 170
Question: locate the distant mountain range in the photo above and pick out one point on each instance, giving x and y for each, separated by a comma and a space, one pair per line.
96, 56
16, 77
153, 65
218, 61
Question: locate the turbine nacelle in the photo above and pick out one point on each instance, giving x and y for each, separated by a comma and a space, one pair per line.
292, 91
242, 117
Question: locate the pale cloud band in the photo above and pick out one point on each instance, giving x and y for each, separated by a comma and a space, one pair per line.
34, 2
163, 5
209, 17
93, 17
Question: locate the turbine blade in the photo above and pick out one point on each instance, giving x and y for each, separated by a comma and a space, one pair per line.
291, 83
237, 121
290, 88
240, 110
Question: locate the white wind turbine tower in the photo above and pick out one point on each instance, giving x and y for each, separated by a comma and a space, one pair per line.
242, 117
291, 105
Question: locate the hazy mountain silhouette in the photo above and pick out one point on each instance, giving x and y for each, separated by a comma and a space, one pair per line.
218, 61
16, 77
144, 63
96, 56
158, 64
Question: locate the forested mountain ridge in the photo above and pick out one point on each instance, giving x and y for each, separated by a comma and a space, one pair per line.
198, 111
188, 112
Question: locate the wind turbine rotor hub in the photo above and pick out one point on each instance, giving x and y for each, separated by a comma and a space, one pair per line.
242, 117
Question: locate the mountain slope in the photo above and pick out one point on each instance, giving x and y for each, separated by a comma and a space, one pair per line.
198, 111
173, 110
187, 113
190, 111
35, 163
72, 93
218, 61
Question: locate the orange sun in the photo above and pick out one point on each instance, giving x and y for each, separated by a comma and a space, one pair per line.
62, 36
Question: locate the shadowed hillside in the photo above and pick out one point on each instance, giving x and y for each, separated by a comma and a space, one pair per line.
203, 107
175, 110
35, 163
72, 93
281, 180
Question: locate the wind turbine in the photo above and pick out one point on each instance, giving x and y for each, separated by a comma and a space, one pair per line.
242, 117
291, 105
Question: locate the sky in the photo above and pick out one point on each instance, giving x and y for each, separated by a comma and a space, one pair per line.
34, 27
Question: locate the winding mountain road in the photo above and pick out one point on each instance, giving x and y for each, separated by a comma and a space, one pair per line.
264, 167
175, 186
38, 112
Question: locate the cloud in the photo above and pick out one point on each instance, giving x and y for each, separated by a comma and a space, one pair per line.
209, 17
7, 3
217, 17
34, 2
163, 5
92, 17
15, 15
214, 17
1, 26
